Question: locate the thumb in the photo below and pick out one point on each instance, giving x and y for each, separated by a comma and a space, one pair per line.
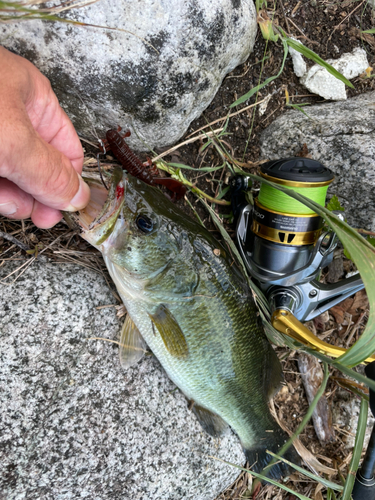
42, 171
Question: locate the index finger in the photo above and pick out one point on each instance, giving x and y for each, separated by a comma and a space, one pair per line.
52, 123
67, 142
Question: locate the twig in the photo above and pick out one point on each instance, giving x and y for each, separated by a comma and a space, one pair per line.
296, 8
345, 18
303, 34
285, 18
269, 116
14, 240
223, 118
29, 262
364, 231
188, 141
355, 328
88, 142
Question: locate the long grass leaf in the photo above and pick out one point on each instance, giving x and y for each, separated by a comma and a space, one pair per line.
357, 451
325, 482
14, 11
264, 478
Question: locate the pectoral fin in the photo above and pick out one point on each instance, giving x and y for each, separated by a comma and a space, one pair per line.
211, 423
132, 345
170, 331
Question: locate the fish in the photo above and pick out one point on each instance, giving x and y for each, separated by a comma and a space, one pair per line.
188, 302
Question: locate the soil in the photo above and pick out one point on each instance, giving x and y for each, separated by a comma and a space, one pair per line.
330, 28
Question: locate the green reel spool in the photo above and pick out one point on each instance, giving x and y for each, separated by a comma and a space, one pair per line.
282, 219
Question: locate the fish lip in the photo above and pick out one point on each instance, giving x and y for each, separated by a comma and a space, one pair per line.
115, 202
101, 226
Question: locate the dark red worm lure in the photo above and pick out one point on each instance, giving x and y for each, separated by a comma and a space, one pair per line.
135, 167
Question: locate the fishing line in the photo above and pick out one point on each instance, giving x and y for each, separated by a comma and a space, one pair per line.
281, 219
98, 160
280, 202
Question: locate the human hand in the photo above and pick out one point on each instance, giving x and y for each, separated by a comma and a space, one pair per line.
41, 156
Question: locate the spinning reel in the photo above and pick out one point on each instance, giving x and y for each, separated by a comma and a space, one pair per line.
285, 245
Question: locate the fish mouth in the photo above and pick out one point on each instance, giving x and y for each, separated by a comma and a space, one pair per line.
97, 220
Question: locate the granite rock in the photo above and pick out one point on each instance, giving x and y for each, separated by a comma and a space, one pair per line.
299, 64
73, 423
340, 135
319, 81
154, 78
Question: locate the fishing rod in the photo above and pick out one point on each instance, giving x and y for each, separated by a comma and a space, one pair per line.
364, 486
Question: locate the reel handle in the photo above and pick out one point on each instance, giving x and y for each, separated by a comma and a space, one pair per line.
285, 322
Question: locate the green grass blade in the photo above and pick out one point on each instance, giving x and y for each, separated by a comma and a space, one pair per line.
357, 451
223, 192
203, 169
371, 31
325, 482
331, 495
299, 108
364, 258
266, 82
344, 369
264, 478
310, 54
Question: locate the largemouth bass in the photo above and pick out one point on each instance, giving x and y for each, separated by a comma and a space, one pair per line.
189, 302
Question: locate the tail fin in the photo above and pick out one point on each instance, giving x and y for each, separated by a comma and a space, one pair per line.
258, 458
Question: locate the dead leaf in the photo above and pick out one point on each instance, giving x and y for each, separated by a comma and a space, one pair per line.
310, 460
347, 304
304, 152
360, 302
312, 377
338, 313
367, 37
318, 493
320, 321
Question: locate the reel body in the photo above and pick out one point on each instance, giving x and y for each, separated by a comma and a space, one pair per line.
285, 246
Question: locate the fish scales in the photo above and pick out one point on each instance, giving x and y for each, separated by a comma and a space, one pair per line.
195, 311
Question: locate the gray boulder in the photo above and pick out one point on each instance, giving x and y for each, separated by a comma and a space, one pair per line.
73, 423
340, 135
154, 78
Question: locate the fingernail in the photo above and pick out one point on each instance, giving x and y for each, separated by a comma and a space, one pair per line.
8, 208
81, 199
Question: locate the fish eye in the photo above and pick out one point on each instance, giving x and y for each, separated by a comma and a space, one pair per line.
144, 223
